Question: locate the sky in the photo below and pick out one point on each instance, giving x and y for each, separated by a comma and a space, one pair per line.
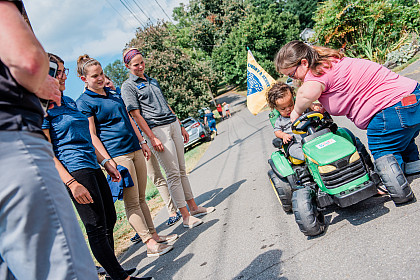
99, 28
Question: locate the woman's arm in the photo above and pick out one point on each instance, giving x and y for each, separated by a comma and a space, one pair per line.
205, 120
157, 145
80, 193
101, 152
183, 130
308, 93
145, 149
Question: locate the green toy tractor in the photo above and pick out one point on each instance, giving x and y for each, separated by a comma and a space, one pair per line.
337, 170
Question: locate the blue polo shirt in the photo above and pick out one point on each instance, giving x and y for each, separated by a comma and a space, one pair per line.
70, 136
112, 122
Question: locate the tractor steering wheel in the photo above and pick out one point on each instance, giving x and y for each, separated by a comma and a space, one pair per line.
304, 121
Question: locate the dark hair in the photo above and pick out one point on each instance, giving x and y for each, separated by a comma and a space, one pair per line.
55, 58
277, 91
291, 55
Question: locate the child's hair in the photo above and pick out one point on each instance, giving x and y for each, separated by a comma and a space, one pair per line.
129, 54
291, 55
83, 62
278, 90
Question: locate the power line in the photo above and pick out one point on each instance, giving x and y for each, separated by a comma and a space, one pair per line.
163, 11
138, 6
119, 13
131, 12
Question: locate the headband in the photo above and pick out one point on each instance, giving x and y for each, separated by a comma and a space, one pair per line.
130, 54
84, 64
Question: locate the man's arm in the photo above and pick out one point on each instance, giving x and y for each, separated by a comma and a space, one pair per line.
21, 52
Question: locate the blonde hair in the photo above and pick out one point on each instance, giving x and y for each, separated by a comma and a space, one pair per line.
83, 62
319, 58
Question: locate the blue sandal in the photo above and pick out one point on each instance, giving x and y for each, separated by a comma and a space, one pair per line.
173, 220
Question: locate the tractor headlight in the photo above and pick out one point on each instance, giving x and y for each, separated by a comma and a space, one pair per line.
354, 157
326, 168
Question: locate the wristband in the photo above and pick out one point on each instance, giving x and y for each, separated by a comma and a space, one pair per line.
69, 182
105, 161
143, 142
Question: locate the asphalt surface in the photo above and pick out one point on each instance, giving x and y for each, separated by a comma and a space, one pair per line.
250, 237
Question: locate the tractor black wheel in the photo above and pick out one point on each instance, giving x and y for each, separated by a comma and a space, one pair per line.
393, 179
283, 191
310, 221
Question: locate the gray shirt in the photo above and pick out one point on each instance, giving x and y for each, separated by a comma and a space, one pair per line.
285, 125
146, 96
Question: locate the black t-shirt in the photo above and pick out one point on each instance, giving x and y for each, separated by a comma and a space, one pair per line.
19, 108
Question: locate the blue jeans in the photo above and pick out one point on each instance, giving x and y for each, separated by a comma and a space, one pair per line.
212, 125
40, 237
394, 129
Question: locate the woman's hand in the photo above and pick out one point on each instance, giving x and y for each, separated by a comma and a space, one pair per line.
112, 171
294, 116
185, 134
80, 193
146, 151
157, 145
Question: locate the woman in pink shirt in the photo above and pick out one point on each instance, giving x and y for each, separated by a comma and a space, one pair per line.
376, 99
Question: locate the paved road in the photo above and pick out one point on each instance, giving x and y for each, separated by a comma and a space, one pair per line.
250, 237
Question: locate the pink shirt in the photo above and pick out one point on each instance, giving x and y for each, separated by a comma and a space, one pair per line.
359, 88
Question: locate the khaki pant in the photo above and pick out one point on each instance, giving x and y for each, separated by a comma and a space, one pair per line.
156, 176
137, 211
173, 162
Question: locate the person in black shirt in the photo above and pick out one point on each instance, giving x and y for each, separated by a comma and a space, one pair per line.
40, 237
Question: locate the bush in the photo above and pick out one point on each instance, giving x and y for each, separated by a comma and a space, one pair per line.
369, 29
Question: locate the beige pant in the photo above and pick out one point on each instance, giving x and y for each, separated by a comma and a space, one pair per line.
173, 162
137, 211
156, 176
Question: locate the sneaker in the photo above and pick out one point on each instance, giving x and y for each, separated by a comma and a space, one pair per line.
174, 219
136, 238
159, 250
167, 238
201, 211
191, 222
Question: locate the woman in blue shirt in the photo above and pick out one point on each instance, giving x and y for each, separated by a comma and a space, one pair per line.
116, 137
76, 162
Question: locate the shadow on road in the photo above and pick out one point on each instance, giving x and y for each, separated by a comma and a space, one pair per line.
359, 213
166, 266
240, 140
265, 266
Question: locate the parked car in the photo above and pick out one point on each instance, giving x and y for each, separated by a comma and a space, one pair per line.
196, 130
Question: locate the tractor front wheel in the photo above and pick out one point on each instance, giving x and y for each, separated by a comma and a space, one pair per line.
310, 221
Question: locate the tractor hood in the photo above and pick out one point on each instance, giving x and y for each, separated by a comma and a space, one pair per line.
328, 148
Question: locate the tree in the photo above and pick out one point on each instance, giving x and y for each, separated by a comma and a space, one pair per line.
264, 31
117, 72
304, 9
182, 81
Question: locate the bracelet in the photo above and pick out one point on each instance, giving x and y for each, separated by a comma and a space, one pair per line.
143, 142
105, 161
181, 125
69, 182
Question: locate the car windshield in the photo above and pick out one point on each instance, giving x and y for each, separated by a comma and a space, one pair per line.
188, 122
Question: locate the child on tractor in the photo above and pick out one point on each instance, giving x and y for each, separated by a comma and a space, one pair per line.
281, 98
